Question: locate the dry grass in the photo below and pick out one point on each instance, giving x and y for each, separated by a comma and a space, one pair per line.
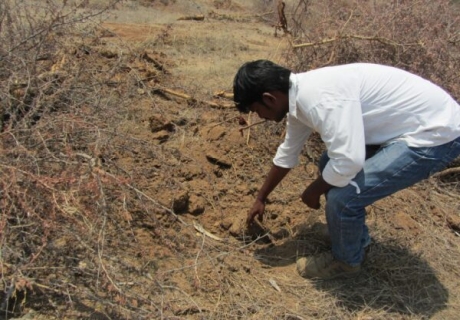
103, 180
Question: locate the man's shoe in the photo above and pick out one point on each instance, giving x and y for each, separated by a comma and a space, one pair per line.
325, 267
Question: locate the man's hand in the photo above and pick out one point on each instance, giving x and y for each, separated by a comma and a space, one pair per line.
314, 191
274, 177
257, 210
311, 198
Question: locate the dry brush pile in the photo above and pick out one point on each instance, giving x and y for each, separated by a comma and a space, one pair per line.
63, 90
83, 232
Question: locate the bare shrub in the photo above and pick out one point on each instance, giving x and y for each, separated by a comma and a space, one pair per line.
32, 36
55, 98
420, 36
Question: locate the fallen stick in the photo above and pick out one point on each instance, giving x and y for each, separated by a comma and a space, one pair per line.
274, 284
350, 36
223, 94
217, 105
252, 125
177, 94
446, 172
265, 229
249, 130
205, 232
191, 99
196, 18
219, 123
150, 58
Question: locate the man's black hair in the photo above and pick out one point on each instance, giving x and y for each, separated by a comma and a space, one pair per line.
256, 77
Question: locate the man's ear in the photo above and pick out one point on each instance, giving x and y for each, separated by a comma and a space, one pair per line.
268, 100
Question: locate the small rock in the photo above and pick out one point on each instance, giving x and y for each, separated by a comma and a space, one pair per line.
196, 205
181, 201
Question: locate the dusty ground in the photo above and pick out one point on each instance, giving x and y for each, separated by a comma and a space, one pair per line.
172, 180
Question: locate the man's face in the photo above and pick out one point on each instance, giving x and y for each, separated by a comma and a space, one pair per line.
272, 107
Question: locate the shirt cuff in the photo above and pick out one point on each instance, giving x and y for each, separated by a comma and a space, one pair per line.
284, 164
334, 178
284, 160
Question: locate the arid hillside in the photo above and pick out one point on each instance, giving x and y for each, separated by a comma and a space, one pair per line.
125, 177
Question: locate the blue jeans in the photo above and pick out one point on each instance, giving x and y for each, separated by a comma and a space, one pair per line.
387, 170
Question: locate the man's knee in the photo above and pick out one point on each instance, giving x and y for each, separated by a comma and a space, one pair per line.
337, 198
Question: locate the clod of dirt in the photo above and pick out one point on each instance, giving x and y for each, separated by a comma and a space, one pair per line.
403, 221
219, 159
237, 227
196, 205
181, 201
161, 136
191, 172
215, 133
453, 222
241, 231
158, 123
107, 53
226, 224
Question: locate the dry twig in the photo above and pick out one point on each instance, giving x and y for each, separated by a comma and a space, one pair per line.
252, 125
192, 99
195, 18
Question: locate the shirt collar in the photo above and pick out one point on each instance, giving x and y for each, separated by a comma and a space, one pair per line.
293, 94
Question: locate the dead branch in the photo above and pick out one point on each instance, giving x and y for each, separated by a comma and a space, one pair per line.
446, 172
252, 125
357, 37
105, 173
223, 94
263, 14
192, 99
205, 232
149, 58
282, 21
217, 105
224, 121
229, 17
195, 18
249, 130
177, 94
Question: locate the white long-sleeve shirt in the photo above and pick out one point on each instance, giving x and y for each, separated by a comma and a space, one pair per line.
360, 104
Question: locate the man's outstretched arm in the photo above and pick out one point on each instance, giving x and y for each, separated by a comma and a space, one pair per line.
274, 177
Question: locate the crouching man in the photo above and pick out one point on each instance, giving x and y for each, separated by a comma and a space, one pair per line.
385, 129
